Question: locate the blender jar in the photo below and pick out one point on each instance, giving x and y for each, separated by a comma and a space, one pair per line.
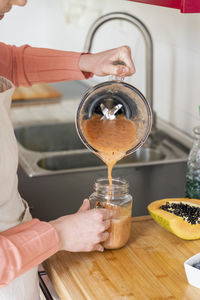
111, 100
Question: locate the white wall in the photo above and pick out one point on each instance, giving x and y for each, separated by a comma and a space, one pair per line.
176, 40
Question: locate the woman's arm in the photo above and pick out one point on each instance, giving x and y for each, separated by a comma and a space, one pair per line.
25, 246
27, 65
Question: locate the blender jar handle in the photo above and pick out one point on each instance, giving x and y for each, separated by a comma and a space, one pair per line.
114, 77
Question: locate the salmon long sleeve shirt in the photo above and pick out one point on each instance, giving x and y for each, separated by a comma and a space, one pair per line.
27, 245
27, 65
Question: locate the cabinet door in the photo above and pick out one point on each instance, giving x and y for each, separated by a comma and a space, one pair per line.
185, 6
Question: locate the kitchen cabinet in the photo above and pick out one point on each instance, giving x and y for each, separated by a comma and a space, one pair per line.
185, 6
150, 266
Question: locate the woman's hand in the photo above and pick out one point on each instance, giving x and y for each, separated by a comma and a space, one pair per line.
84, 230
103, 63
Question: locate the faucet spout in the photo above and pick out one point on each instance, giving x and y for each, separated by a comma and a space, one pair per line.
148, 43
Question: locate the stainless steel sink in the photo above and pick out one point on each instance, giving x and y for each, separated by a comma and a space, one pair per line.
71, 161
84, 160
49, 137
49, 148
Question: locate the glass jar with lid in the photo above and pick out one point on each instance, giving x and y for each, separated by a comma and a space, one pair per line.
116, 198
192, 189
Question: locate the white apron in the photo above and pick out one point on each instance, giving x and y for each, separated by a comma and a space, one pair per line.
13, 209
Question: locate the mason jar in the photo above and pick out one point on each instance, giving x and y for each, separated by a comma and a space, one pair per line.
114, 197
192, 188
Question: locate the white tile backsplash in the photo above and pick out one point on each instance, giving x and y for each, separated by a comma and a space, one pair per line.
176, 40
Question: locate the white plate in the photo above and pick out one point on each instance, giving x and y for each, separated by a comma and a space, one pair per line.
192, 273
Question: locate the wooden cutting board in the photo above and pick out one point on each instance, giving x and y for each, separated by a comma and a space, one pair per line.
36, 91
149, 267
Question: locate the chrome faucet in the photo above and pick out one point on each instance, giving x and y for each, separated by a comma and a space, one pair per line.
148, 43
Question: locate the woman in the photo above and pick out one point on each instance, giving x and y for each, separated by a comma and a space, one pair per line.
26, 242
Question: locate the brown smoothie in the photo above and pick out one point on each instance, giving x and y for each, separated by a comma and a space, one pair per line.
119, 233
120, 228
112, 139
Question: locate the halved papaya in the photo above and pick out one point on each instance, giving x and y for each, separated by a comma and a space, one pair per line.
180, 216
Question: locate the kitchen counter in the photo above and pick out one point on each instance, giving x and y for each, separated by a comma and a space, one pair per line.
44, 111
150, 266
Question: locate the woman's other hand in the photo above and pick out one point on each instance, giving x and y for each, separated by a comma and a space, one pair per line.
84, 230
103, 63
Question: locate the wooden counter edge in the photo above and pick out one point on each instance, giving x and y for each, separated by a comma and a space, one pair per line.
141, 218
